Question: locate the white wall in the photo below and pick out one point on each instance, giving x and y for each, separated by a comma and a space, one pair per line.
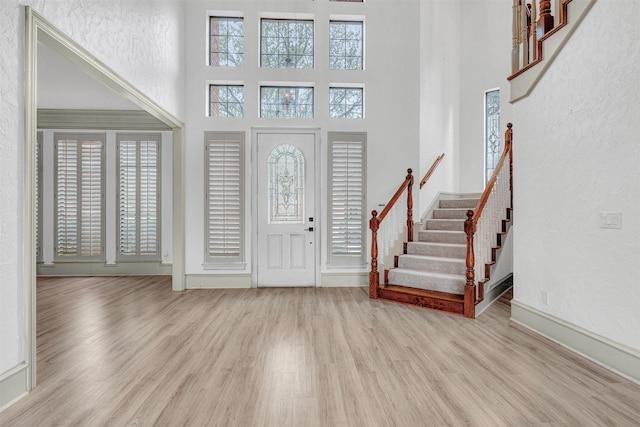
440, 74
485, 64
140, 40
391, 80
465, 50
577, 154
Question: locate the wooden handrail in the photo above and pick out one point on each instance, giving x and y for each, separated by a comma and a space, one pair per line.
374, 226
473, 216
487, 191
431, 170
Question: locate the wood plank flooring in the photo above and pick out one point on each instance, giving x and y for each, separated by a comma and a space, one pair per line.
130, 352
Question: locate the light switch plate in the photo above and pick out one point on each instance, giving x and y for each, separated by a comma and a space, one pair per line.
610, 219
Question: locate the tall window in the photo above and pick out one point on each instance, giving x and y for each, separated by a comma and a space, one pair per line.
79, 194
226, 41
493, 149
347, 165
224, 241
286, 43
346, 102
226, 100
287, 102
138, 197
346, 45
39, 199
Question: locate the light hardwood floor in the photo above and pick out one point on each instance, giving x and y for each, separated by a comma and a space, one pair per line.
130, 352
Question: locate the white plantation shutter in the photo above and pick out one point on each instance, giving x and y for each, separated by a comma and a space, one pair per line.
79, 196
224, 206
347, 198
138, 197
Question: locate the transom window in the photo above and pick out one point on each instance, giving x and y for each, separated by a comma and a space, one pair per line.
286, 102
346, 45
226, 100
346, 102
226, 43
286, 43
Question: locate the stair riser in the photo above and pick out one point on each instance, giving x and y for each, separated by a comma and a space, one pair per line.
445, 224
431, 265
437, 250
454, 286
459, 203
442, 237
450, 213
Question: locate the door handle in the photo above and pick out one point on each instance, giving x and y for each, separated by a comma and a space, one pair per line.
309, 229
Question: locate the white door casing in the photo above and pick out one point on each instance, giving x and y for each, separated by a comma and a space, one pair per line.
286, 219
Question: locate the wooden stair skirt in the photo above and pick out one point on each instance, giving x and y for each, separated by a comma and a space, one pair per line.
431, 272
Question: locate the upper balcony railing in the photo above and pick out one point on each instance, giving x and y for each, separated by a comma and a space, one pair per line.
529, 27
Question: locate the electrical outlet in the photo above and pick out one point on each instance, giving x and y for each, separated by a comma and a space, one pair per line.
610, 219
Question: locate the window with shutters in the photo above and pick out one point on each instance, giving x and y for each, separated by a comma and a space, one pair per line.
224, 208
347, 166
79, 197
38, 206
138, 166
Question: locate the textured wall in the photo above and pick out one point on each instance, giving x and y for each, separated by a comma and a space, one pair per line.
140, 40
577, 154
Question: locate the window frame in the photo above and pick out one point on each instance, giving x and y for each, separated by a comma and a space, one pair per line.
80, 137
230, 262
346, 260
286, 88
138, 138
347, 88
487, 175
292, 20
345, 21
226, 17
226, 85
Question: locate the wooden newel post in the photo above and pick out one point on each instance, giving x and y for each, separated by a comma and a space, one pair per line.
470, 288
545, 22
374, 276
410, 205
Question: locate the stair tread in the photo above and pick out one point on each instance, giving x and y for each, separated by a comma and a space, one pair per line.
428, 273
449, 245
425, 293
434, 258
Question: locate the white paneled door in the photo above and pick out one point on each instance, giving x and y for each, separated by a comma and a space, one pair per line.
286, 212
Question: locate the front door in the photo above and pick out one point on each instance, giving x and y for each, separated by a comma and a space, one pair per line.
285, 209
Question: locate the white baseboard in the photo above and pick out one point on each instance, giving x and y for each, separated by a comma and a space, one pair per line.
344, 279
609, 354
493, 292
218, 281
13, 385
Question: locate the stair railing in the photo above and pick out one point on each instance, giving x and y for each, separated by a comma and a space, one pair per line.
431, 170
393, 228
485, 222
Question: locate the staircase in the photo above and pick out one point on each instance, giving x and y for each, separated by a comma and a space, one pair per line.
448, 264
437, 260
